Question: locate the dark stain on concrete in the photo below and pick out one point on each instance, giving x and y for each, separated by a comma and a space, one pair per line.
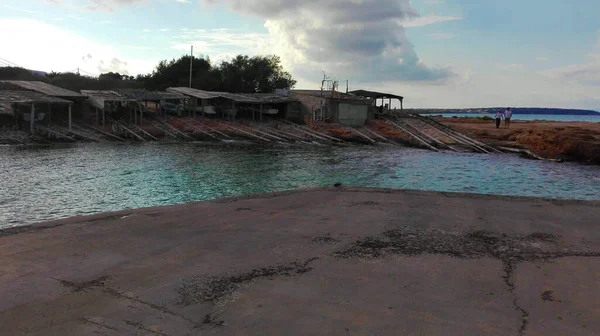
367, 203
84, 286
243, 209
212, 289
325, 240
209, 319
510, 249
548, 296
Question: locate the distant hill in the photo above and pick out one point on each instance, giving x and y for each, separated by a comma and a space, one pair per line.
516, 110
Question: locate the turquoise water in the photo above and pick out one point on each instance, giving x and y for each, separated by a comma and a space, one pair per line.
527, 117
40, 184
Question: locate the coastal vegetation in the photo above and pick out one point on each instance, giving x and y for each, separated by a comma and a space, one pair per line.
242, 74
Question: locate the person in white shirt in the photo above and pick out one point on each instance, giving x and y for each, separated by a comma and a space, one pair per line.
498, 117
507, 116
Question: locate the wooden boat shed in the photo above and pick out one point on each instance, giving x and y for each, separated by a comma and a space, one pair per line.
379, 95
151, 100
250, 105
24, 105
114, 104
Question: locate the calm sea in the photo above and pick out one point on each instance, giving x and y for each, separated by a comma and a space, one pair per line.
45, 183
527, 117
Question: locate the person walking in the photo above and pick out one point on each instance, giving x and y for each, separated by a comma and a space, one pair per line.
499, 116
507, 116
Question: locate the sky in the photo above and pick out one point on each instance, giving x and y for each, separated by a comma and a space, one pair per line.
435, 53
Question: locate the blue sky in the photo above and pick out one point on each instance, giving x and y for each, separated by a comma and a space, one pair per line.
437, 53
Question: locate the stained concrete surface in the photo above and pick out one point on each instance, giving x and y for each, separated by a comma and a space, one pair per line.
339, 261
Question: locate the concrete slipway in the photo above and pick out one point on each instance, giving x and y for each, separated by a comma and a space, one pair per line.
318, 262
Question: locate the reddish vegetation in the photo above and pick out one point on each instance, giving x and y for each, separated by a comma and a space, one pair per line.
385, 130
576, 141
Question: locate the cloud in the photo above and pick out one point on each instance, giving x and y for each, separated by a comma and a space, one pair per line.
427, 20
42, 46
587, 73
542, 59
113, 65
353, 39
108, 5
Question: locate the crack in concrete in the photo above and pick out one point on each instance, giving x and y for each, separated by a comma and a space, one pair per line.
510, 249
100, 283
142, 327
99, 324
213, 289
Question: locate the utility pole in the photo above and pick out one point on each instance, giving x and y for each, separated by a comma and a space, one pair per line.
346, 86
191, 60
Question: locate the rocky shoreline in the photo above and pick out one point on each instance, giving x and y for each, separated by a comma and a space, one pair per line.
556, 140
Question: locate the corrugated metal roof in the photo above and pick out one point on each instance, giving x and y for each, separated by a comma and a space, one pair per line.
375, 94
15, 97
98, 97
200, 94
271, 98
44, 88
141, 94
247, 98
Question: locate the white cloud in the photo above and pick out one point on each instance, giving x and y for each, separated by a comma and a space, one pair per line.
542, 59
40, 46
587, 73
353, 39
427, 20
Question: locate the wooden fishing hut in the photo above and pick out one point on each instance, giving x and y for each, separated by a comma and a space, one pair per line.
255, 106
30, 108
111, 105
377, 96
154, 102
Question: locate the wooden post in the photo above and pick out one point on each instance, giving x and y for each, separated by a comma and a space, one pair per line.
134, 116
202, 103
195, 107
141, 115
49, 113
261, 112
253, 114
70, 119
401, 107
32, 118
96, 109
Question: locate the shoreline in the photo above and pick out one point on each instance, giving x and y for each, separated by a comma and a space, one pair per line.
447, 263
19, 228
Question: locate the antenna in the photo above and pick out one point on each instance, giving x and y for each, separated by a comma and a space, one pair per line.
191, 60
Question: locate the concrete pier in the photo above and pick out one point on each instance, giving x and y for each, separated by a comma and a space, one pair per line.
335, 261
